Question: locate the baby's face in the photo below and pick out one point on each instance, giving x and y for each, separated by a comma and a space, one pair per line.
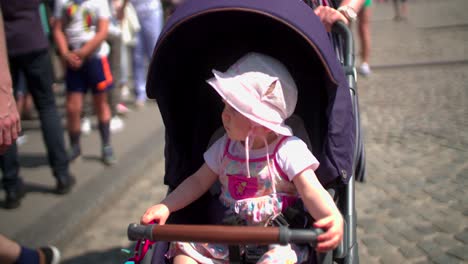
237, 126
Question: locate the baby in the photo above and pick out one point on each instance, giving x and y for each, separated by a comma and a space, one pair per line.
262, 167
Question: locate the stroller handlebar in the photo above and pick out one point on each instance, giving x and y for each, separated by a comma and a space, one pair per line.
342, 30
223, 234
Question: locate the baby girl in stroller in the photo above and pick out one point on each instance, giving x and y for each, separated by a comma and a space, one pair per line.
262, 167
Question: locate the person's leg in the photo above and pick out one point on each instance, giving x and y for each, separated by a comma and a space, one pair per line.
396, 9
74, 106
404, 9
12, 183
151, 27
104, 114
183, 259
9, 164
9, 250
27, 107
365, 40
38, 71
138, 66
13, 252
116, 124
114, 61
100, 78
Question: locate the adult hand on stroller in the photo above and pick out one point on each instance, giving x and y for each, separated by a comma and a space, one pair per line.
329, 16
157, 213
329, 240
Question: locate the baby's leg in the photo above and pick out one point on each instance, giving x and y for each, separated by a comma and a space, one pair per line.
288, 254
183, 259
279, 254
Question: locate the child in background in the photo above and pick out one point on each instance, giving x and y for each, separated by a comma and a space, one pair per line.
80, 32
261, 166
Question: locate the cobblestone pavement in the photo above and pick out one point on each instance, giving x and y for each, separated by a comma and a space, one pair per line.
413, 207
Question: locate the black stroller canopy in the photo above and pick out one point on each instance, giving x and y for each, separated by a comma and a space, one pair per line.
212, 34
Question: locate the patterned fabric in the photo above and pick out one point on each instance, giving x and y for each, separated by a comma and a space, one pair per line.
256, 200
262, 195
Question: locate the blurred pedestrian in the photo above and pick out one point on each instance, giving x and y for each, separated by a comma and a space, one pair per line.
364, 17
114, 38
12, 252
151, 17
348, 12
401, 10
80, 31
10, 125
28, 53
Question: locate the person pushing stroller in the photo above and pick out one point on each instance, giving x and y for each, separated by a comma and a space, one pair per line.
261, 166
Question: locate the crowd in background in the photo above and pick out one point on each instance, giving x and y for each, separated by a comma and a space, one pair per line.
94, 54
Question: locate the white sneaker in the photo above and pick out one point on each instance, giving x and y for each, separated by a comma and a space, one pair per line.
364, 69
116, 124
86, 125
21, 140
125, 92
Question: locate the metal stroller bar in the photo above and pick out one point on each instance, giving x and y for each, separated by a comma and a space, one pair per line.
222, 234
349, 243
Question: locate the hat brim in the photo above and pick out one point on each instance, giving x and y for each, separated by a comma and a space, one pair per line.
221, 81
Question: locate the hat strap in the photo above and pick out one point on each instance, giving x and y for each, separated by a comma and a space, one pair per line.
248, 146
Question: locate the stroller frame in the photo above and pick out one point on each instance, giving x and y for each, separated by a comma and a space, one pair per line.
347, 252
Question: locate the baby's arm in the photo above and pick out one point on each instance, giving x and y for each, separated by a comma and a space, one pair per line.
188, 191
321, 206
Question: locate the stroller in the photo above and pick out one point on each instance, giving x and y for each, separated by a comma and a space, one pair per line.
212, 34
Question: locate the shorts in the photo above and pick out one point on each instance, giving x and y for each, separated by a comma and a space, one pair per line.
95, 73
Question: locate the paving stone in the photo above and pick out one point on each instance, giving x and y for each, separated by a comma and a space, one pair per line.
375, 245
448, 225
411, 234
411, 251
465, 212
395, 239
463, 236
425, 229
431, 248
424, 261
460, 252
445, 259
391, 257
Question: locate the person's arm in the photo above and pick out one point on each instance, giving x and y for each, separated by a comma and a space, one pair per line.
61, 42
89, 47
321, 206
188, 191
10, 123
354, 4
329, 15
121, 10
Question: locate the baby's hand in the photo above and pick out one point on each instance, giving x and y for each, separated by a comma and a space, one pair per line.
334, 232
158, 213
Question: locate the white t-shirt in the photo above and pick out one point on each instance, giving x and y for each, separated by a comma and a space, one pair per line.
293, 156
81, 20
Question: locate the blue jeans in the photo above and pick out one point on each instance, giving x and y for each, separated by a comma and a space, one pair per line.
37, 69
151, 22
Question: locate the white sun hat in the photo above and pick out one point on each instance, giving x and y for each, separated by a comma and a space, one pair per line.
260, 88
